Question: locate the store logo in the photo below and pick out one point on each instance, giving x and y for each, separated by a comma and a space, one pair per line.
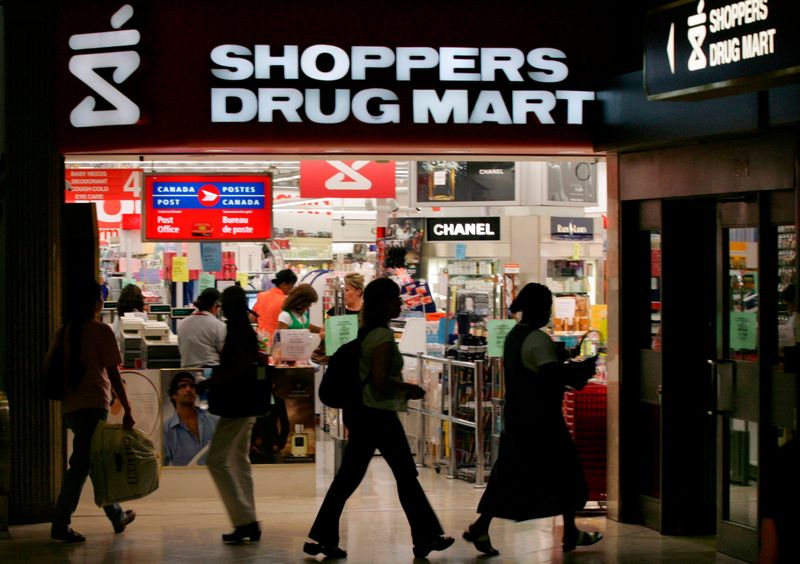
208, 195
697, 35
348, 177
123, 63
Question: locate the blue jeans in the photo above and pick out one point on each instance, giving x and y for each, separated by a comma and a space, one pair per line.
82, 423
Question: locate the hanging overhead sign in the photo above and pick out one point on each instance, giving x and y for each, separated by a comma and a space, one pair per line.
107, 184
347, 179
464, 229
182, 207
704, 48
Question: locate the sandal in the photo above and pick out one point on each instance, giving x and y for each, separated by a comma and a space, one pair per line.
482, 542
582, 538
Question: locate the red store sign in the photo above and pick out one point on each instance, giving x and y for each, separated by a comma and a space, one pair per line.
347, 179
93, 184
207, 208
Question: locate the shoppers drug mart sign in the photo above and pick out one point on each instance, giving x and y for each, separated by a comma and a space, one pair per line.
207, 208
274, 77
329, 65
704, 48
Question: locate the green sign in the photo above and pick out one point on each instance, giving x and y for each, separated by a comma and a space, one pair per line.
206, 281
339, 329
498, 329
744, 330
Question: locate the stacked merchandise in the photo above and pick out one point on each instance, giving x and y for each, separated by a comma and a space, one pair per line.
585, 414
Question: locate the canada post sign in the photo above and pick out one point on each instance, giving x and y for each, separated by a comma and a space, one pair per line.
207, 208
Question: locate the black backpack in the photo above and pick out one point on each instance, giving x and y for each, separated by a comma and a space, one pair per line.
341, 383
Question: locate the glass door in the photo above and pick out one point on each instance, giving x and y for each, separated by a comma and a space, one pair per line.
750, 277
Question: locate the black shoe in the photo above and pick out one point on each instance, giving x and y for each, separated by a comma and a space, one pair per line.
250, 531
482, 542
313, 549
423, 549
127, 519
66, 535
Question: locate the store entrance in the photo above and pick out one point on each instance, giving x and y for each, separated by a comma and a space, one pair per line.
756, 244
709, 399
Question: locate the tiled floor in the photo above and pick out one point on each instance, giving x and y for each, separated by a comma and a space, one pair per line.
374, 530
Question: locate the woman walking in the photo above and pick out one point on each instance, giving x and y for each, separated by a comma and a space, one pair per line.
92, 359
228, 455
538, 472
375, 425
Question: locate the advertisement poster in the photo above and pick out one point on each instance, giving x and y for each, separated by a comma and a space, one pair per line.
287, 434
403, 243
571, 182
463, 183
180, 207
417, 296
143, 390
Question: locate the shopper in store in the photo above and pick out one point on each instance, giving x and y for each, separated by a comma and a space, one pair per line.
375, 425
353, 294
131, 301
538, 472
91, 356
269, 304
295, 313
189, 430
228, 459
202, 334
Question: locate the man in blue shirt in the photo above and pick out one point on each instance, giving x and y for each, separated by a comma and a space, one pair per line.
190, 429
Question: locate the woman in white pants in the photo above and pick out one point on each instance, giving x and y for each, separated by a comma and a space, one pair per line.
228, 455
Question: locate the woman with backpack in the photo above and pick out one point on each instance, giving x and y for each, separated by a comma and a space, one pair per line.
374, 424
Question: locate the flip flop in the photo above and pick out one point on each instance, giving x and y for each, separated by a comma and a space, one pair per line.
582, 539
482, 542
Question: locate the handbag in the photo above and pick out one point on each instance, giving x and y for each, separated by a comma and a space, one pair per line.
54, 371
245, 393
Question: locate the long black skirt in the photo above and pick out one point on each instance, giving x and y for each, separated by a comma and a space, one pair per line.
536, 475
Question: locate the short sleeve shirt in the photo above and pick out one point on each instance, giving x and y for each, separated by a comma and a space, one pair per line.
538, 350
201, 337
370, 396
98, 351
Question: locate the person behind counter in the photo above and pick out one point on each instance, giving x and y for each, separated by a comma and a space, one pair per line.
353, 294
296, 314
201, 336
269, 304
131, 301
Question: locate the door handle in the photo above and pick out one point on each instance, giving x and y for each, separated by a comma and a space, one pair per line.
721, 390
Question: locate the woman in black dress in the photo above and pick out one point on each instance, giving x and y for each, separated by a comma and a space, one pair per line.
538, 472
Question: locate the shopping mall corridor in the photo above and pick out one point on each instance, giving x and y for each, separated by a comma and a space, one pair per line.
374, 530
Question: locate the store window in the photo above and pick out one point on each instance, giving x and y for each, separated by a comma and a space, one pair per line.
655, 291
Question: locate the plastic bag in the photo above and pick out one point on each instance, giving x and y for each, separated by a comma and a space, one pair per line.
124, 464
